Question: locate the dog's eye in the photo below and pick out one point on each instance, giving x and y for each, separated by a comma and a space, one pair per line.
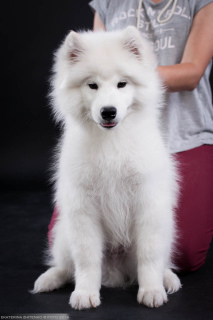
121, 84
93, 86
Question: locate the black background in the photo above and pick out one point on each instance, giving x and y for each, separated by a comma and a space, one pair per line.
31, 31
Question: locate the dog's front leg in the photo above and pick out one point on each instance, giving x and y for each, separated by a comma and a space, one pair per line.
86, 246
154, 230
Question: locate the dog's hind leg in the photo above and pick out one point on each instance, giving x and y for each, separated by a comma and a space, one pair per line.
53, 278
119, 268
171, 281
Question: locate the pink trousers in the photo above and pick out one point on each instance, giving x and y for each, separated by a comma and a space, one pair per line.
195, 210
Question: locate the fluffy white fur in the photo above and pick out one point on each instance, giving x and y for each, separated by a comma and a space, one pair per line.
116, 184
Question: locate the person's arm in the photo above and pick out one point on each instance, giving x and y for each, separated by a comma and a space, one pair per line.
98, 24
197, 55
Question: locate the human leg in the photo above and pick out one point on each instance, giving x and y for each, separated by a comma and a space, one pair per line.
195, 209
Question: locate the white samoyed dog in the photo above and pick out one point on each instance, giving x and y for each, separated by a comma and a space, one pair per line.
116, 184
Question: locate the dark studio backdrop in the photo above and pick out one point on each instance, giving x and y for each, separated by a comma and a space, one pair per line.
31, 31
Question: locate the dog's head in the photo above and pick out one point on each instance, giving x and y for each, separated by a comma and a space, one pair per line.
103, 76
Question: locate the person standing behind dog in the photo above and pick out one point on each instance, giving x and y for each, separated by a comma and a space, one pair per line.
182, 35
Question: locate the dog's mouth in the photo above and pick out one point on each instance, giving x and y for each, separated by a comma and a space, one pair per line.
108, 125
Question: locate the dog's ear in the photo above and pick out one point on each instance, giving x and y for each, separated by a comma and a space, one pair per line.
74, 46
132, 41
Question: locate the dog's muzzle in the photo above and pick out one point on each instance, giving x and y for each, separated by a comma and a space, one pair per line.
108, 115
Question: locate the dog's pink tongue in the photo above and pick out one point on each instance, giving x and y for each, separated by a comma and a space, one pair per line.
108, 124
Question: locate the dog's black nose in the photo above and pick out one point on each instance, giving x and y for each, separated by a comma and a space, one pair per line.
108, 113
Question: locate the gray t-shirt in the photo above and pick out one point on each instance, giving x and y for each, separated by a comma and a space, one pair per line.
187, 116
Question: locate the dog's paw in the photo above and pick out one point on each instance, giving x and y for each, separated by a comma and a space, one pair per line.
82, 299
171, 282
50, 280
155, 297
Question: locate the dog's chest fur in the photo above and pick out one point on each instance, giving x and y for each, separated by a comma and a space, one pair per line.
112, 188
